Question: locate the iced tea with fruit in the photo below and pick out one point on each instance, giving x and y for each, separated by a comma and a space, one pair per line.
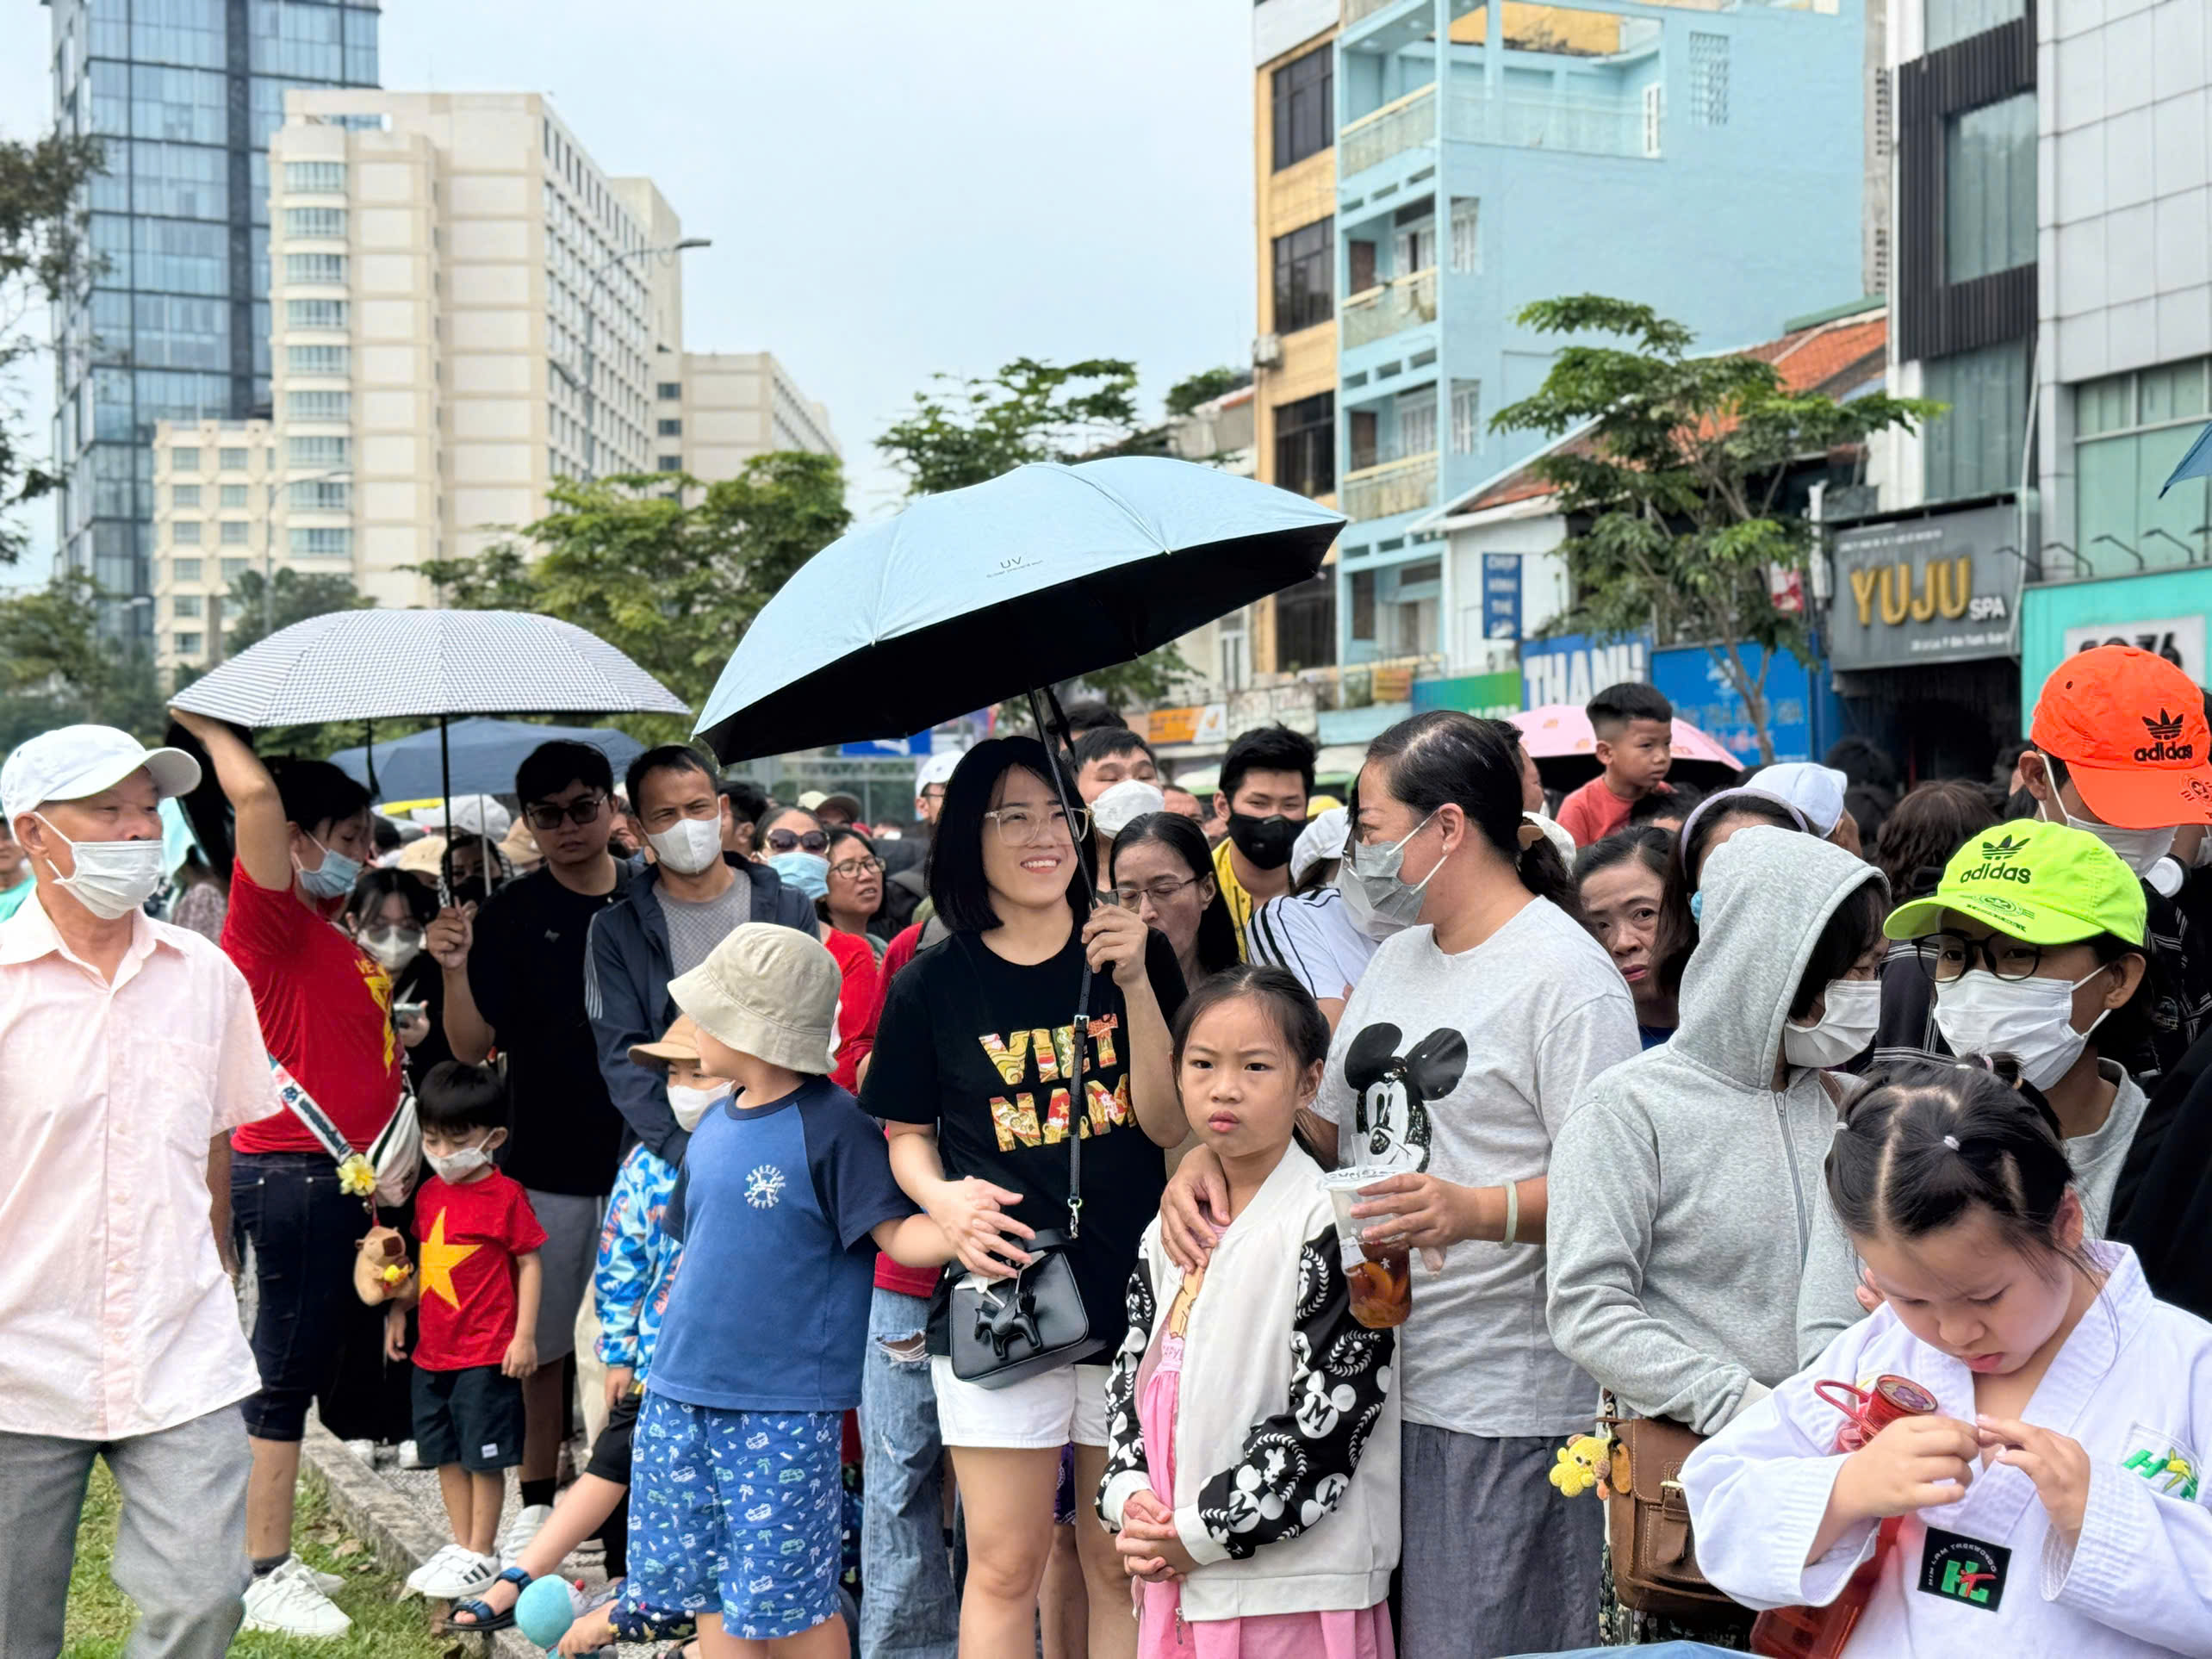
1379, 1275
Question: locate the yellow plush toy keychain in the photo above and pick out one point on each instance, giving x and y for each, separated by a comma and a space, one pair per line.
1580, 1464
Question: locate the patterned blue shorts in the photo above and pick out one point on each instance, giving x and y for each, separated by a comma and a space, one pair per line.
739, 1512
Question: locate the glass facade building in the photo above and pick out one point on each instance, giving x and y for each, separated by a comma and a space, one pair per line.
174, 325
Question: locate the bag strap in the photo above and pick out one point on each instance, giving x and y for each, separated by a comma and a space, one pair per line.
1078, 1109
302, 1105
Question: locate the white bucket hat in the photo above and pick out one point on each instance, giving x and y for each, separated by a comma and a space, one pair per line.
766, 990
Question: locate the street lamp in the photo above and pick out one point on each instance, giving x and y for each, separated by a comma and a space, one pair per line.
596, 277
268, 539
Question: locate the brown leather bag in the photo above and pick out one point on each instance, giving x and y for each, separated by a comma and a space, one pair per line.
1654, 1560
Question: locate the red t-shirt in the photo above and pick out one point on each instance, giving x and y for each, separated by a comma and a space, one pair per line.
891, 1275
467, 1238
1594, 812
325, 1012
858, 999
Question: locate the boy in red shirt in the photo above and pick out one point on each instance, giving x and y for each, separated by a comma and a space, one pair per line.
1634, 726
476, 1281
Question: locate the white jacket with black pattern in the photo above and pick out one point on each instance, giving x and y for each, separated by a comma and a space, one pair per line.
1286, 1453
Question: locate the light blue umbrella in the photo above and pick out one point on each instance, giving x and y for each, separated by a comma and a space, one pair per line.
2198, 463
966, 598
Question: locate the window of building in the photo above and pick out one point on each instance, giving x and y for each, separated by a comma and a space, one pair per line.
1975, 449
317, 451
322, 495
1708, 79
1305, 444
1466, 247
1989, 189
318, 406
322, 542
1362, 605
184, 496
233, 495
230, 460
315, 314
184, 605
234, 568
184, 570
1416, 424
185, 532
233, 532
314, 221
2130, 430
1304, 113
672, 428
183, 459
672, 463
316, 359
1305, 271
314, 176
186, 644
314, 267
1466, 417
1952, 21
668, 390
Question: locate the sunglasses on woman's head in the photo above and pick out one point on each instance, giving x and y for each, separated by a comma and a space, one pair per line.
786, 840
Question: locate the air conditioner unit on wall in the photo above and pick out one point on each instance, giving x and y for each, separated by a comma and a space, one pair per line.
1267, 352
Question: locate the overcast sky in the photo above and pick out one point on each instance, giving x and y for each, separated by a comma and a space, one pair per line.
893, 189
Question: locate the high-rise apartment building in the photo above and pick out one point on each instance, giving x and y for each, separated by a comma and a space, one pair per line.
728, 407
175, 324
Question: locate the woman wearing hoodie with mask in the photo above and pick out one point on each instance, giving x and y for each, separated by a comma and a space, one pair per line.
1686, 1174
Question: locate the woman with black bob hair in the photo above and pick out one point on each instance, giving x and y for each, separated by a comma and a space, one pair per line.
1465, 1045
1161, 867
387, 914
971, 1070
1684, 1186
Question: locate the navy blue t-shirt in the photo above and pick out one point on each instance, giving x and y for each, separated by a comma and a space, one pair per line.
773, 1206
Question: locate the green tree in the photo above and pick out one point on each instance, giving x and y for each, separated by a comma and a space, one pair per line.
1677, 472
55, 670
257, 607
43, 256
1204, 386
498, 580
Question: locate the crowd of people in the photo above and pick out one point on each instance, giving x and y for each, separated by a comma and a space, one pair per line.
1099, 1221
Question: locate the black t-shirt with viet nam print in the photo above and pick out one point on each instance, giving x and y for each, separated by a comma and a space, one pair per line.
979, 1048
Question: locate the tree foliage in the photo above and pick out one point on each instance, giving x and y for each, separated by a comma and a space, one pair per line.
1204, 386
44, 256
256, 607
56, 670
1675, 477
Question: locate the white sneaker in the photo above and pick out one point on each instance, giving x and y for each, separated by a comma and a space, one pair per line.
409, 1456
289, 1602
454, 1574
521, 1530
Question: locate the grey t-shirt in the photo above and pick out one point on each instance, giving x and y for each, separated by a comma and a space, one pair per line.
696, 928
1465, 1066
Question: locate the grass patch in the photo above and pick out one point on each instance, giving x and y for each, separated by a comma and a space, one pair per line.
101, 1616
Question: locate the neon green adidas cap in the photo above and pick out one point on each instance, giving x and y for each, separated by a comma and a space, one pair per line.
2049, 884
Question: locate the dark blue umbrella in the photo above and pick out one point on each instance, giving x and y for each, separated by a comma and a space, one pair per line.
484, 753
2198, 463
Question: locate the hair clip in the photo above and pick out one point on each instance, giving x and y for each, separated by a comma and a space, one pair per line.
1952, 1141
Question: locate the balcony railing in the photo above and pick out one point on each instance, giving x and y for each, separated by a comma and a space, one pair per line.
1356, 10
1403, 124
1597, 127
1393, 487
1381, 312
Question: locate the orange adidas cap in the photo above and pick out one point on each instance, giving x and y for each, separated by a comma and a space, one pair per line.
2131, 728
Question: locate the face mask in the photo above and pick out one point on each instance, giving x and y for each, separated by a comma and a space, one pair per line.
1359, 909
690, 1104
808, 872
395, 947
1265, 843
1390, 899
689, 845
1851, 1009
1979, 1013
460, 1166
113, 878
2139, 850
332, 879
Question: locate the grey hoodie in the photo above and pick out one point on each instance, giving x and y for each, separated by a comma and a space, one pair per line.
1683, 1187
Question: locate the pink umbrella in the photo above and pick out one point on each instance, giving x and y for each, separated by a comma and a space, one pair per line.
1559, 739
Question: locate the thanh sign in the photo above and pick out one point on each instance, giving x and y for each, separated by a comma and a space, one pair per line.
1939, 589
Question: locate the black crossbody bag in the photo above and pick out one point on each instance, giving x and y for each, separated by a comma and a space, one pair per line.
1003, 1330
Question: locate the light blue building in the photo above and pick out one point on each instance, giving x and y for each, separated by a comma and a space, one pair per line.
175, 326
1709, 160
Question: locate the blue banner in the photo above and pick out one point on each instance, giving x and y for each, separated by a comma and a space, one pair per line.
1574, 668
1502, 596
1693, 681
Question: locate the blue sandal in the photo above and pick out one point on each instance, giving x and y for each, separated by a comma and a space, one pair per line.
482, 1618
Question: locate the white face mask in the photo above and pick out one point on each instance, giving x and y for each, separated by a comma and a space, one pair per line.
1386, 900
689, 845
460, 1166
1851, 1009
1979, 1013
691, 1105
393, 947
2139, 850
113, 878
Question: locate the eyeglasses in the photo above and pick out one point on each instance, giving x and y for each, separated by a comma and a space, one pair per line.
545, 815
1025, 826
786, 840
1948, 956
853, 868
1162, 893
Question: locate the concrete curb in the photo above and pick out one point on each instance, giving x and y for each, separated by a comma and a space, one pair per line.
400, 1539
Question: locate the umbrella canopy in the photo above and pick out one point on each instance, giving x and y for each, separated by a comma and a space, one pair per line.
2198, 463
969, 597
484, 753
1559, 740
379, 665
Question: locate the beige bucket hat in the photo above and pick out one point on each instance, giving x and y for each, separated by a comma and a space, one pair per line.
769, 992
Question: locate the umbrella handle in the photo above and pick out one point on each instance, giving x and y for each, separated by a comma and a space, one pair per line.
1048, 730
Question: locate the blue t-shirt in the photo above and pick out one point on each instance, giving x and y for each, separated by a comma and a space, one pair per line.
773, 1207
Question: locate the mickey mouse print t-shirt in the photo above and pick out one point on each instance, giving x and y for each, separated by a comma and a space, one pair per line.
1464, 1067
979, 1048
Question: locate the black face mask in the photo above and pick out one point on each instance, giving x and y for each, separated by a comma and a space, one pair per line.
1265, 843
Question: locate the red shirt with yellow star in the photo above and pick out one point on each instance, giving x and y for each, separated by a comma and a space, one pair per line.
468, 1238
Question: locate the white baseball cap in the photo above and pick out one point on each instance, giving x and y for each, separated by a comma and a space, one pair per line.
937, 769
1815, 790
1323, 836
70, 762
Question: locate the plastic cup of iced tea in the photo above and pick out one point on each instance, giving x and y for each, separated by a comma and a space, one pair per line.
1381, 1276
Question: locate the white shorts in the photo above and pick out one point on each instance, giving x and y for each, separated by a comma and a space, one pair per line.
1041, 1412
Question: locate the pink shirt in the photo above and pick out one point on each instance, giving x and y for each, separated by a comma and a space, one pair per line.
116, 1318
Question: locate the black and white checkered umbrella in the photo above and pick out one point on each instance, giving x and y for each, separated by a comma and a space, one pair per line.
384, 665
